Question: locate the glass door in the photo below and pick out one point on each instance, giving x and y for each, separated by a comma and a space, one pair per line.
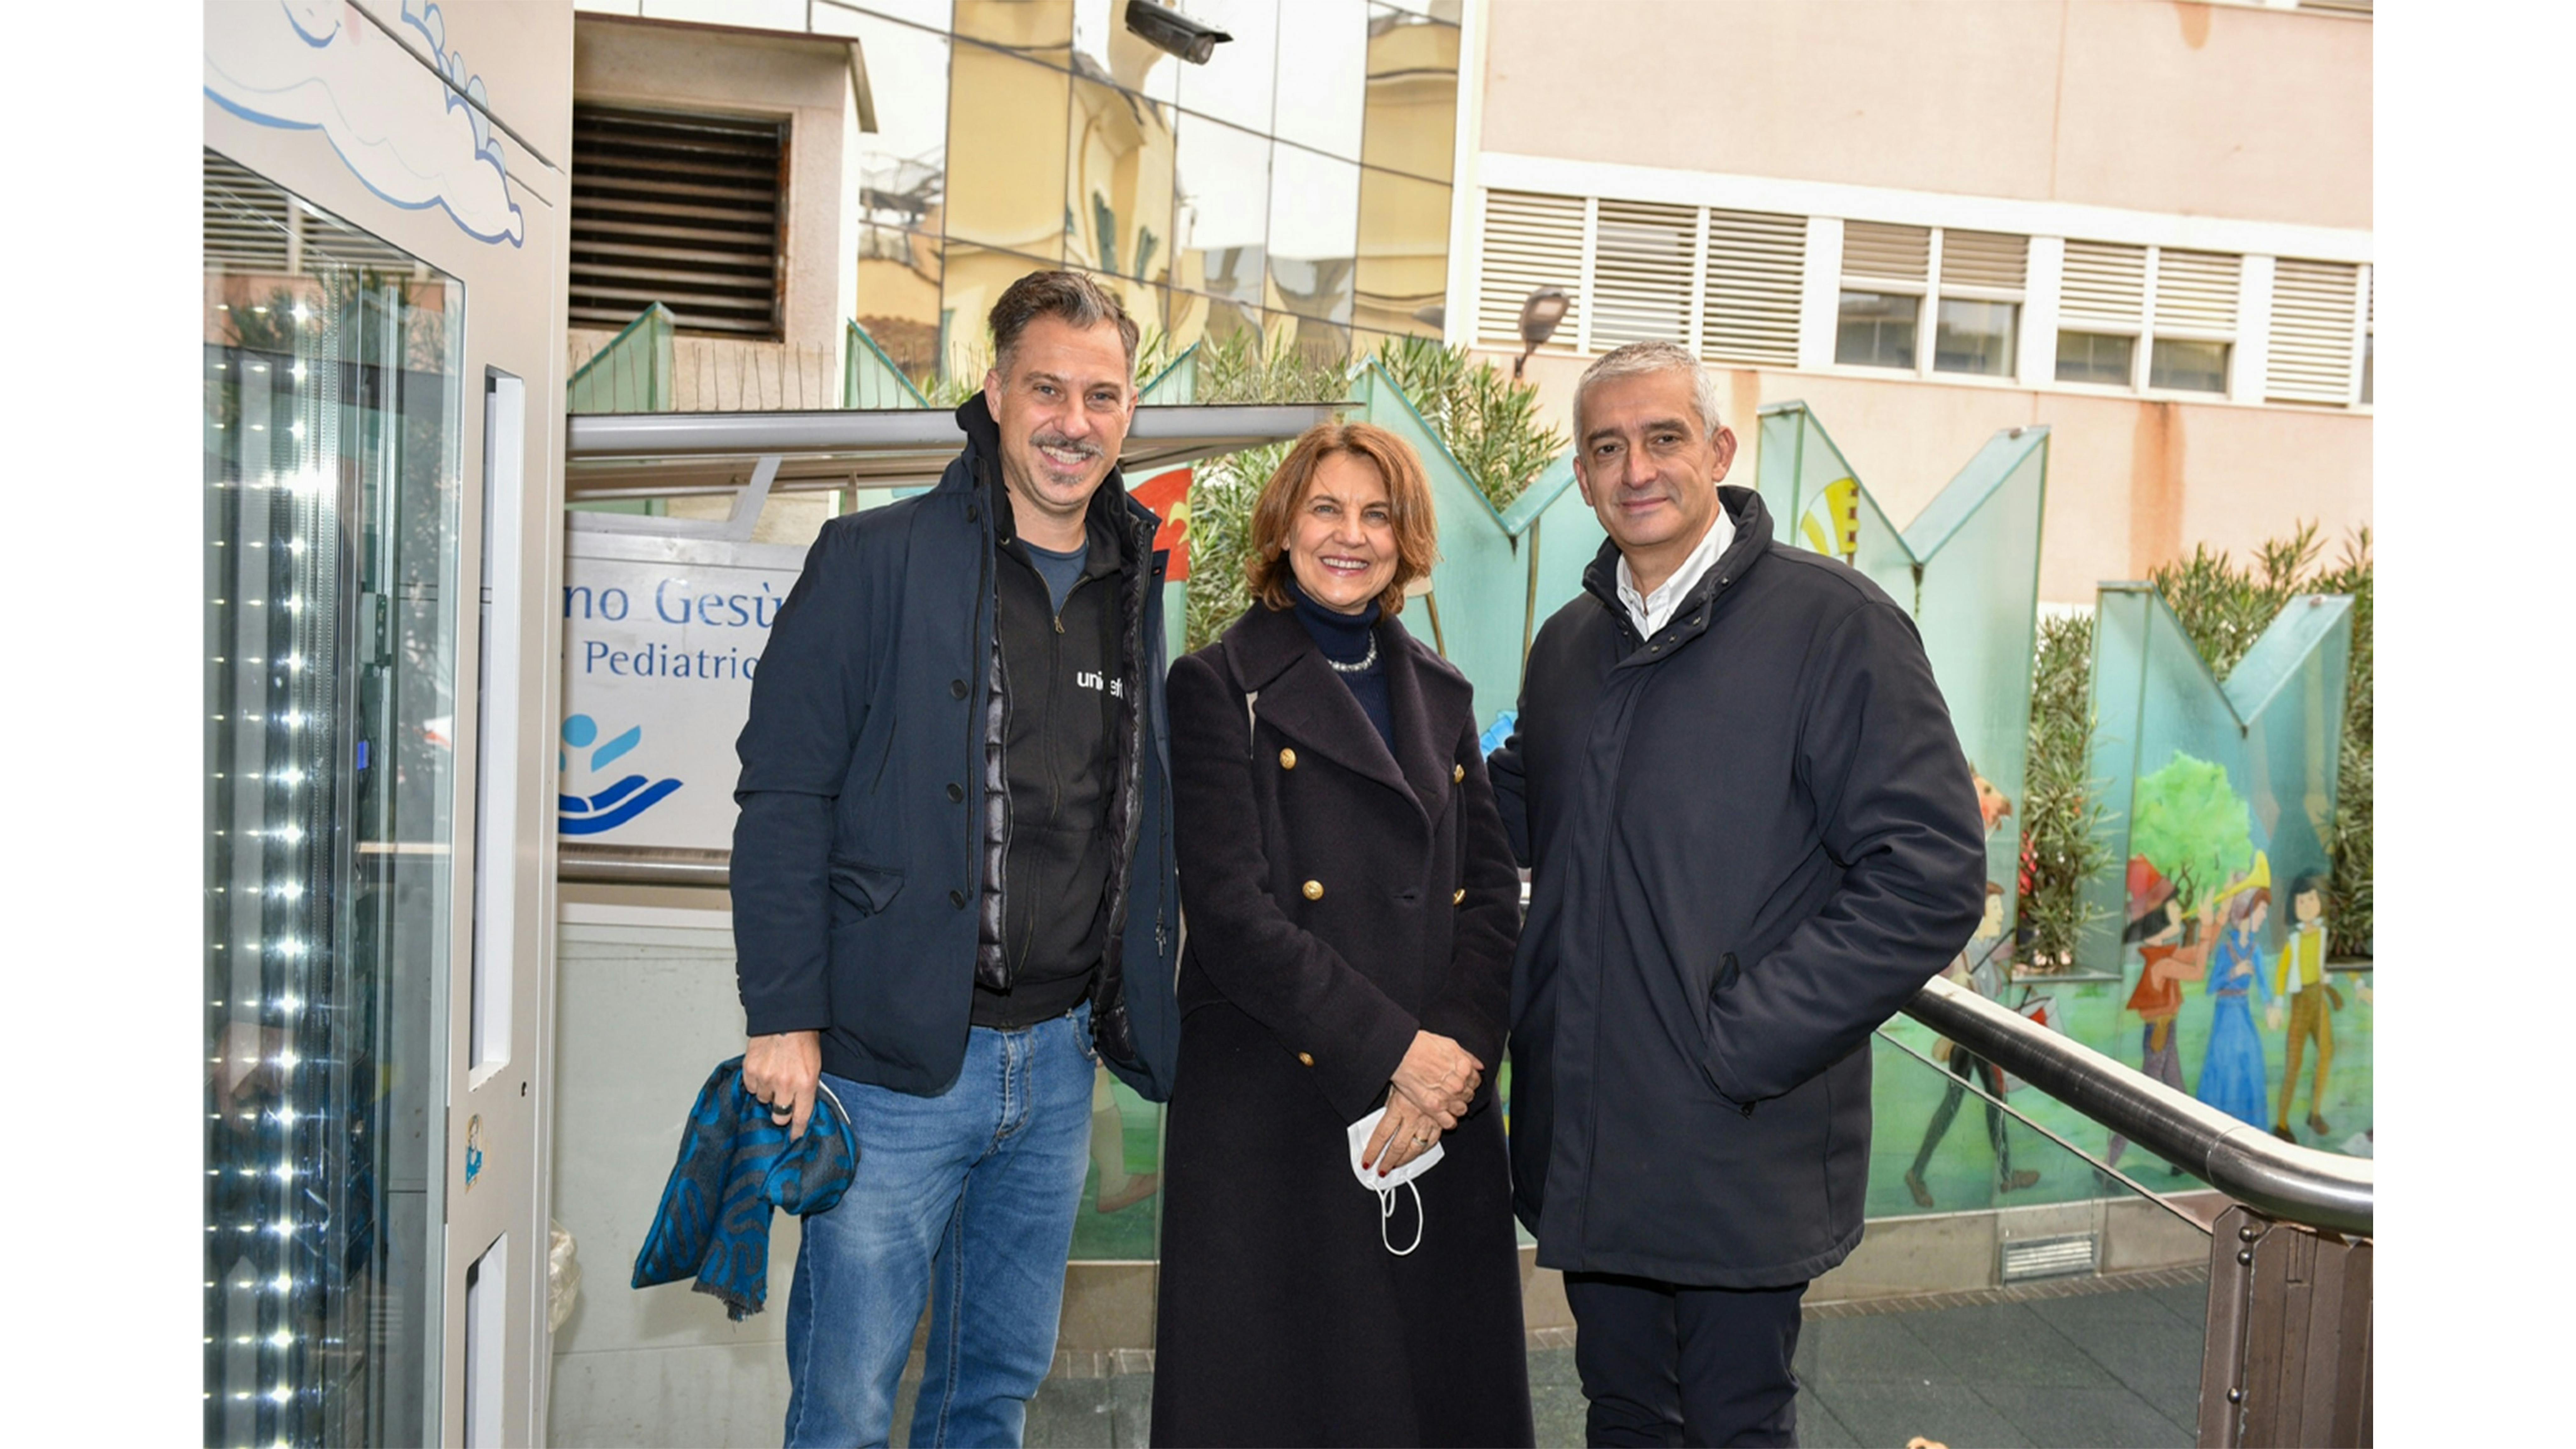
332, 367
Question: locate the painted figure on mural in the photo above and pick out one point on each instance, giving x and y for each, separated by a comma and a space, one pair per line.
2231, 1066
2299, 977
1980, 966
1978, 969
2165, 961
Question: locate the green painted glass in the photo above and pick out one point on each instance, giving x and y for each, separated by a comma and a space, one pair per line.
2219, 802
631, 374
870, 379
1967, 568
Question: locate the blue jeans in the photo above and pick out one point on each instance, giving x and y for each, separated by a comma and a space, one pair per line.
967, 1198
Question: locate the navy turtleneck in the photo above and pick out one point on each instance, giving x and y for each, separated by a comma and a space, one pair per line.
1345, 639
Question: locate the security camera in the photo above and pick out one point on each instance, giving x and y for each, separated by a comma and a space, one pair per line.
1167, 29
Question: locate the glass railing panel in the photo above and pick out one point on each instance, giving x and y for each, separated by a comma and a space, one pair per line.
2007, 1290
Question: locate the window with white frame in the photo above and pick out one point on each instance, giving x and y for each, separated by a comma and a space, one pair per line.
1886, 271
1891, 305
2146, 317
2101, 311
2192, 318
1979, 308
1929, 301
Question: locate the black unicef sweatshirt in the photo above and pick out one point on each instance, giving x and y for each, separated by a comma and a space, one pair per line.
1059, 671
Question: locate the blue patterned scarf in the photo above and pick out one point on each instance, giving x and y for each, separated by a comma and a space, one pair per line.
735, 1166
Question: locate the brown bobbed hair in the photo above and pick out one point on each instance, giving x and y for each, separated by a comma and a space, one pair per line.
1408, 492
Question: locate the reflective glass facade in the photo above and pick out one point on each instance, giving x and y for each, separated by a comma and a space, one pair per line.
1297, 183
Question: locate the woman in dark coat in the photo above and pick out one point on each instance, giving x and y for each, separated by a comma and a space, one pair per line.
1351, 908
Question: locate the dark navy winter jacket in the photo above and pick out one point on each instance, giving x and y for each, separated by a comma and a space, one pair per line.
1752, 838
864, 880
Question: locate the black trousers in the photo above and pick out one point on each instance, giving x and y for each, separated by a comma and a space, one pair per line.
1668, 1365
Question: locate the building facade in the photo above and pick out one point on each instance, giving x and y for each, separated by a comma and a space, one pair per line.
2146, 224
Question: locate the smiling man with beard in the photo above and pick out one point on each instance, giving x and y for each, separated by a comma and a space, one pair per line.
952, 879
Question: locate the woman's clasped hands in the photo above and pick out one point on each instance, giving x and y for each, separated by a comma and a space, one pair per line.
1428, 1094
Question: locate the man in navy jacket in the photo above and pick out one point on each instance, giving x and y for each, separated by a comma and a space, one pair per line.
952, 879
1752, 837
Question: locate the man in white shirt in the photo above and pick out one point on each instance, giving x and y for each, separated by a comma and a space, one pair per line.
1752, 837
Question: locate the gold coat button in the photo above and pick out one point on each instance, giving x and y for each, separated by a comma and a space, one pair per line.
1314, 890
1287, 759
1457, 773
1305, 1059
1459, 898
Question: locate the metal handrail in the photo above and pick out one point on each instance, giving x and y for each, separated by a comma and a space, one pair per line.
2292, 1183
2295, 1184
646, 865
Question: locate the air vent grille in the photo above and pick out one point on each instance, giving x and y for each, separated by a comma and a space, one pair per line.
1879, 252
2105, 286
1757, 263
1531, 241
683, 210
1984, 261
2312, 332
2196, 292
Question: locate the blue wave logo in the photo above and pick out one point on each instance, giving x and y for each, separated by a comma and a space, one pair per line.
620, 802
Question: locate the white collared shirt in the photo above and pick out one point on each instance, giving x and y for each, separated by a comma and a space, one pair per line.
1650, 612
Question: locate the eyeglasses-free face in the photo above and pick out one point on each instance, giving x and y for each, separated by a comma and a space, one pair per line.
1341, 540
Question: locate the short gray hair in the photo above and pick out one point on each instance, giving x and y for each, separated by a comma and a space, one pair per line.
1637, 359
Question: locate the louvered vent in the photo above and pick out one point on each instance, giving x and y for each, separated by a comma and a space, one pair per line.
2312, 332
677, 209
1531, 241
1756, 264
1984, 261
254, 226
1876, 252
2196, 292
246, 219
2105, 286
1641, 272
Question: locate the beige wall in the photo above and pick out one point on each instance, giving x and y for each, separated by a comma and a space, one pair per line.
2218, 110
2132, 484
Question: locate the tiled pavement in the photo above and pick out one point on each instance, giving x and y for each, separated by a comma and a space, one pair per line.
2108, 1362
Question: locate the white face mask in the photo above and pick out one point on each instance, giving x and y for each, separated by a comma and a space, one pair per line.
1385, 1186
